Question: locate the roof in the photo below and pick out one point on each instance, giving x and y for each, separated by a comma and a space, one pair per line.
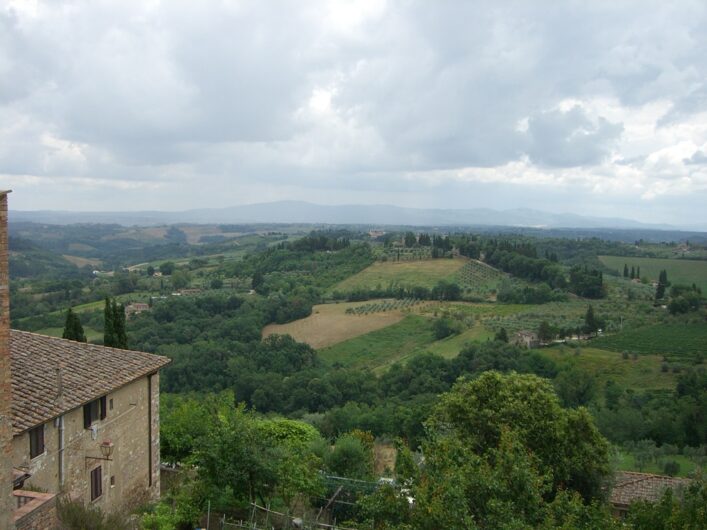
88, 371
631, 486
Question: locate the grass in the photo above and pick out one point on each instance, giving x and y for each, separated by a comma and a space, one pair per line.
626, 461
379, 349
680, 271
423, 273
91, 334
675, 341
643, 373
451, 346
329, 324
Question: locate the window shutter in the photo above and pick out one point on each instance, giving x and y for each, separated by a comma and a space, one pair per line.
103, 408
87, 416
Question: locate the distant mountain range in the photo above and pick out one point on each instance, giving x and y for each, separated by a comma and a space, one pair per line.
308, 213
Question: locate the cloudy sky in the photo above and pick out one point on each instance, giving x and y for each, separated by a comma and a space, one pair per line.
598, 108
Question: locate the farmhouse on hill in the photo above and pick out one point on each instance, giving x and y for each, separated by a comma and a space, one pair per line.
77, 421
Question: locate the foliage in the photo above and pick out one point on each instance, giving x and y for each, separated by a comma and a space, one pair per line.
73, 330
351, 457
74, 515
686, 510
566, 443
114, 334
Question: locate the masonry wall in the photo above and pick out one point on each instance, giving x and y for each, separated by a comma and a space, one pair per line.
135, 443
7, 502
38, 514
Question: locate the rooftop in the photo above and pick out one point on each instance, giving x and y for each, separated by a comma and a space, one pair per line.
632, 486
42, 364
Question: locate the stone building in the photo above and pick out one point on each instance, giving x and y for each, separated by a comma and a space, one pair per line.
77, 421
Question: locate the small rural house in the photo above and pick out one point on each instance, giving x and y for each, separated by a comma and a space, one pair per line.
76, 420
526, 339
631, 486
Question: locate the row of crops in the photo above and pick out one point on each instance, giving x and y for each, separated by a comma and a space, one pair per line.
477, 278
405, 254
382, 306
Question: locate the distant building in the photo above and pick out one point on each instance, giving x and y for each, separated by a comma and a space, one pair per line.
526, 339
630, 486
136, 308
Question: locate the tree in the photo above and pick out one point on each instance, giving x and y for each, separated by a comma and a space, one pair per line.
500, 448
167, 268
444, 327
591, 324
114, 333
625, 271
180, 279
150, 270
257, 281
565, 441
501, 335
73, 330
545, 332
633, 272
108, 324
410, 239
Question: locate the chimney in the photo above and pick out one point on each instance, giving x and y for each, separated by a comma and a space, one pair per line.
7, 506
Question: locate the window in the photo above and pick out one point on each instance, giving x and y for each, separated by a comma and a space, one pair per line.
36, 441
96, 483
112, 481
110, 404
94, 411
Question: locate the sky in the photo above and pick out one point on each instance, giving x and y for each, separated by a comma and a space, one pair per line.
597, 108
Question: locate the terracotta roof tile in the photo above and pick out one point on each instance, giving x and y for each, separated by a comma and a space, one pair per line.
87, 372
631, 486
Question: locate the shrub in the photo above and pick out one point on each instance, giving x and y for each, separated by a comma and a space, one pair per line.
73, 515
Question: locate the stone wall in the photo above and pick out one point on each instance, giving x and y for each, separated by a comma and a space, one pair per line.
6, 499
38, 511
126, 476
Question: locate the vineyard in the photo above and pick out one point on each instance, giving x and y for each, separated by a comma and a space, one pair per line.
478, 279
675, 341
381, 306
405, 254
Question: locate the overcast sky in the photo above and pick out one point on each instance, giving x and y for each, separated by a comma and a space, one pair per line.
598, 108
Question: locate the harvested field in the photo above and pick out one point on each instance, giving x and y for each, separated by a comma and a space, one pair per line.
329, 324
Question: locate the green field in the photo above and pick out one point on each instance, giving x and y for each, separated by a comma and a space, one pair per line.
643, 373
91, 334
423, 273
680, 271
675, 341
626, 461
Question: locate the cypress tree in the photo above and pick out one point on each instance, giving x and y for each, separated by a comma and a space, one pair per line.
625, 271
73, 330
633, 272
108, 324
590, 322
121, 336
638, 271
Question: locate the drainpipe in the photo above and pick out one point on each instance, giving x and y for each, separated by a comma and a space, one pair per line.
59, 424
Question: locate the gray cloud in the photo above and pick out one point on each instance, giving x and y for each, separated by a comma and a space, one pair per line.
254, 100
566, 139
